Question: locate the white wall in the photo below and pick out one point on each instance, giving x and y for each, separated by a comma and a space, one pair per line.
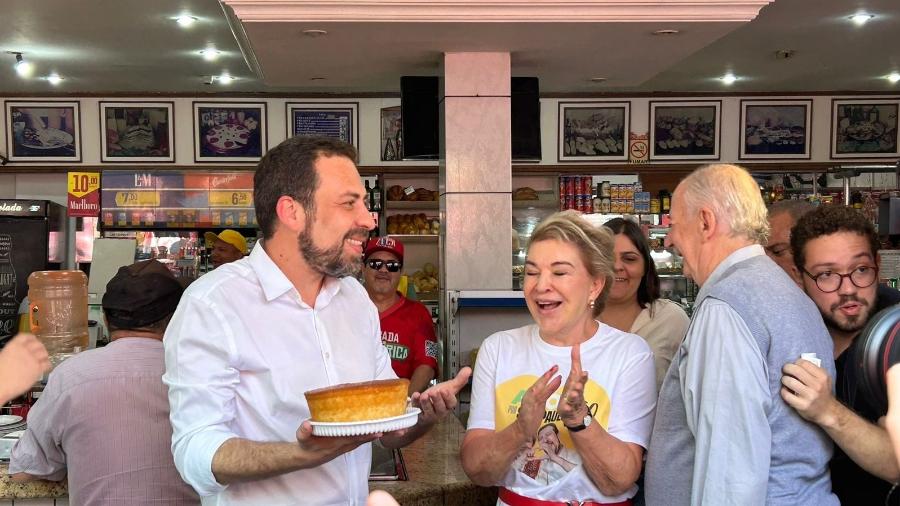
53, 185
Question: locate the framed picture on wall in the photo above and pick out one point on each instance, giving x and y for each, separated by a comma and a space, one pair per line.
775, 129
335, 119
45, 131
229, 131
593, 131
864, 128
685, 130
391, 145
137, 132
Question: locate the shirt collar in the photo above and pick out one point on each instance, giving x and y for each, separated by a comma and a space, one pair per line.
275, 284
735, 257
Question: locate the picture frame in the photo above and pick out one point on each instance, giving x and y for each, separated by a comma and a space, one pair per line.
43, 131
391, 130
593, 131
865, 128
231, 132
775, 129
137, 132
339, 120
685, 130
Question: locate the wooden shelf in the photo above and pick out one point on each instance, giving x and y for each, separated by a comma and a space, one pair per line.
415, 237
404, 205
535, 204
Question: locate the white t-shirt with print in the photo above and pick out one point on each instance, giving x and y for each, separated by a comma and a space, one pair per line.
620, 393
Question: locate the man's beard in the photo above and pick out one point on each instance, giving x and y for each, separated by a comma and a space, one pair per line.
330, 261
850, 323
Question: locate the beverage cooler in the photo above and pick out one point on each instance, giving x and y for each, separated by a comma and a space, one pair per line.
32, 238
168, 212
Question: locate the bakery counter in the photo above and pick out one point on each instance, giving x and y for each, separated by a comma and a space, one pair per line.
31, 490
436, 477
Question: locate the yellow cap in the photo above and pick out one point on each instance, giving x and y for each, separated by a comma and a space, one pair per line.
232, 237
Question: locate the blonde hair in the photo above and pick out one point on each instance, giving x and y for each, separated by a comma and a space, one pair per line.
595, 244
733, 196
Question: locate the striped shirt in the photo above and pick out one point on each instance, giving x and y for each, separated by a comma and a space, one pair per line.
103, 419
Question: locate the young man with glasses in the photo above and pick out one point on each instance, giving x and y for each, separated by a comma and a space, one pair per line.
406, 327
835, 251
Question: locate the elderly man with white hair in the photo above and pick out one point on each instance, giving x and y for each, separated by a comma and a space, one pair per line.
723, 435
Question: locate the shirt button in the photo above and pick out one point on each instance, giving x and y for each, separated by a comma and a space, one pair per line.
327, 355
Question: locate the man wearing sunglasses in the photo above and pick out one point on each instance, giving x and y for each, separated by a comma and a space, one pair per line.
835, 252
406, 327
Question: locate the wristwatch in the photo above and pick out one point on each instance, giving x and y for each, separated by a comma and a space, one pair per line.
584, 424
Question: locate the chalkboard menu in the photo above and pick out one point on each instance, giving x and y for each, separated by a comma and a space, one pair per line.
336, 120
174, 199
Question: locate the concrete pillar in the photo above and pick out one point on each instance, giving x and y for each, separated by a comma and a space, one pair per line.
475, 172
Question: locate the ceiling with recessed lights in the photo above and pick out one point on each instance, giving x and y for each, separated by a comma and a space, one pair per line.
136, 47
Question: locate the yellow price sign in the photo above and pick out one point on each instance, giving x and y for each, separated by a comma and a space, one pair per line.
82, 183
137, 199
229, 198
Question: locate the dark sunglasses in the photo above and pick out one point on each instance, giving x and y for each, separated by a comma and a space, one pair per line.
391, 265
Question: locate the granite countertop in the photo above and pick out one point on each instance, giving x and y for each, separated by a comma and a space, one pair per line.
435, 472
30, 490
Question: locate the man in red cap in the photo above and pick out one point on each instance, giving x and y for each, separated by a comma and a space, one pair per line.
406, 327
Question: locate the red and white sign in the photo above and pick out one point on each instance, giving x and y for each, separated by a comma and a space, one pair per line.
84, 194
638, 148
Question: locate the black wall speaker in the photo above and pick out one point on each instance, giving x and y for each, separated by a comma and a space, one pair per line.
419, 115
526, 118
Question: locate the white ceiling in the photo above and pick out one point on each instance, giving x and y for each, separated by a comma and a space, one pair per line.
129, 46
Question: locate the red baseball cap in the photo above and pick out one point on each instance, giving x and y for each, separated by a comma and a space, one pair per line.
385, 243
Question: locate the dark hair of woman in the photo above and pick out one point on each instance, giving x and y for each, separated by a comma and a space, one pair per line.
648, 290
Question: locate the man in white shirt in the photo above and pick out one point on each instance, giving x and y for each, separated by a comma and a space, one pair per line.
251, 337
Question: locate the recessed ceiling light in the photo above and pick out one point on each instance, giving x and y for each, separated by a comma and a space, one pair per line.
224, 79
728, 79
314, 33
893, 77
23, 67
54, 79
210, 53
667, 32
185, 20
861, 18
598, 79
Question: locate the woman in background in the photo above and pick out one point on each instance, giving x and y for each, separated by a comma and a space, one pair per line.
634, 305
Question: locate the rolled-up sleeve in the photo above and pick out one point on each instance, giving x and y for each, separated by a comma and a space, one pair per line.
39, 452
201, 377
726, 396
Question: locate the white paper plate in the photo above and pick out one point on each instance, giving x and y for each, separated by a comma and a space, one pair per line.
9, 419
335, 429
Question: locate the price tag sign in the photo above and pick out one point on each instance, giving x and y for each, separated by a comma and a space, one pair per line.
83, 194
137, 199
223, 198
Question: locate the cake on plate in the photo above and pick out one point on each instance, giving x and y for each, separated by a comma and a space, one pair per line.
356, 402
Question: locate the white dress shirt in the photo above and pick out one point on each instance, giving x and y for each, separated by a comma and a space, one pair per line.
241, 350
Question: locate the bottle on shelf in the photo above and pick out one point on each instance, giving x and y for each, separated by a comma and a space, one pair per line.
375, 200
368, 195
665, 201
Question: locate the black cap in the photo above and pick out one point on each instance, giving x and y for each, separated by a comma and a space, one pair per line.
141, 294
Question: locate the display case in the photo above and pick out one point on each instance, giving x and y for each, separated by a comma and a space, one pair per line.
533, 199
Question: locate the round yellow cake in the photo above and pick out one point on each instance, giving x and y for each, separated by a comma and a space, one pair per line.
356, 402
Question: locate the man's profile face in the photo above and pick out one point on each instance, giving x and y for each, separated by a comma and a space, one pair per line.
779, 246
332, 240
223, 253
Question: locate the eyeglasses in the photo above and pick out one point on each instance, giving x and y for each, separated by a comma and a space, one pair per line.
861, 277
391, 265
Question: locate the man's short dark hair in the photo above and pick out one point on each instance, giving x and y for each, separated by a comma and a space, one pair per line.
827, 220
289, 169
796, 208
